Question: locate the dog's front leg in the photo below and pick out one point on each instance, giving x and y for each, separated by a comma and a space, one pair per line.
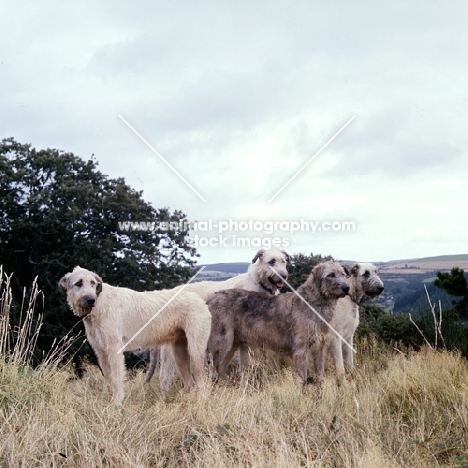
336, 350
300, 363
348, 352
319, 361
113, 367
243, 363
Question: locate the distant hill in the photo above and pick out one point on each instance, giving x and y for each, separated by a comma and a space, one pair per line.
426, 264
404, 280
234, 268
221, 271
405, 267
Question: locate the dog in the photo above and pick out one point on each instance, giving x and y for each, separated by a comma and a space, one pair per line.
364, 280
119, 318
259, 277
284, 323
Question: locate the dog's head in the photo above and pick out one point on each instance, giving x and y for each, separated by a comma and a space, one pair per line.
366, 278
82, 288
269, 268
330, 279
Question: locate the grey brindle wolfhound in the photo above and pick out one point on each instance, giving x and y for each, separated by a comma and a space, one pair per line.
284, 323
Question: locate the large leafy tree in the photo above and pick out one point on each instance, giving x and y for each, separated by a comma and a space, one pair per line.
58, 211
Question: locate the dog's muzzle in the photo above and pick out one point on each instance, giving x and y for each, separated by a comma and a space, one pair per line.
345, 289
375, 292
277, 279
88, 301
87, 304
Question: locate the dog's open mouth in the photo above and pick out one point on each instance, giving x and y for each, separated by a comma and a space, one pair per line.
278, 284
86, 310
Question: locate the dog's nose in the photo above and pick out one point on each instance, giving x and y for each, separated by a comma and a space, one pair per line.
345, 288
90, 301
380, 289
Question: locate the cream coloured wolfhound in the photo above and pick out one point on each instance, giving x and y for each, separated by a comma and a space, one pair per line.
259, 277
283, 323
364, 280
120, 318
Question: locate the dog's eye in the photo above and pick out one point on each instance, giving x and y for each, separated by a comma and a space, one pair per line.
332, 275
272, 262
366, 274
79, 283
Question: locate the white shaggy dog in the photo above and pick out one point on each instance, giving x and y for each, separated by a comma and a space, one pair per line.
259, 277
364, 280
117, 318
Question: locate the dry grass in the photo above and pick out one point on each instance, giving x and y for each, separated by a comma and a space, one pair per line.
397, 410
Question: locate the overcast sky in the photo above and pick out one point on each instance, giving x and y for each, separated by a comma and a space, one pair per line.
238, 95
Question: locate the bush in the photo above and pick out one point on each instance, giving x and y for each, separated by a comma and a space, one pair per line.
398, 329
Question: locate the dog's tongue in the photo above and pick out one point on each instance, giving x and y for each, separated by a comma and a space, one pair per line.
279, 284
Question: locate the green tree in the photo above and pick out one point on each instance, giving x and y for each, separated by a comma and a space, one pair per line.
455, 284
58, 211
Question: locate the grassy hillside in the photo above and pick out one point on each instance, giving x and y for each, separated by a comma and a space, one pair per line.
397, 410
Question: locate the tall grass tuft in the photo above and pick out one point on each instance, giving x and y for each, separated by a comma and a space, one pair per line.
18, 342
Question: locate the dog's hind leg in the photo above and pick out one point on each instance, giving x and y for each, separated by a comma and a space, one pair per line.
152, 363
222, 355
224, 362
167, 366
197, 353
182, 360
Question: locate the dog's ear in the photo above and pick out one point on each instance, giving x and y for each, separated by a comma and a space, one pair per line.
355, 269
99, 284
288, 257
63, 285
345, 268
258, 255
317, 273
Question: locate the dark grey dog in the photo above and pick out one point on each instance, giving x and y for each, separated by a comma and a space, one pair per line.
284, 323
